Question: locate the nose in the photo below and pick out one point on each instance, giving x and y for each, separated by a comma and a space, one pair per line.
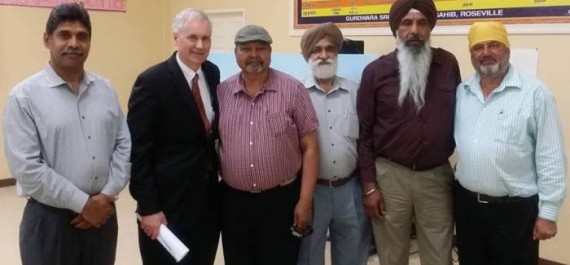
486, 50
322, 54
199, 44
73, 42
414, 29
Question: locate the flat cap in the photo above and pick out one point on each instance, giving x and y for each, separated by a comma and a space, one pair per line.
253, 33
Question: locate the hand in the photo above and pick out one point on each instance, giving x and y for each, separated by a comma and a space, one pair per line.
374, 205
303, 214
150, 224
80, 222
543, 229
98, 209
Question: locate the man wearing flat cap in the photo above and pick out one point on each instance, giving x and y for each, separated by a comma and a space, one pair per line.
338, 197
405, 104
511, 160
269, 157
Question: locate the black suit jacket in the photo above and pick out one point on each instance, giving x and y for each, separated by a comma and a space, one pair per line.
174, 162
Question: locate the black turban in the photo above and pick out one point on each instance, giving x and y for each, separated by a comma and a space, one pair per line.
400, 9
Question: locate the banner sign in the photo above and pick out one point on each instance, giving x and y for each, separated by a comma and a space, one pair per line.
374, 13
106, 5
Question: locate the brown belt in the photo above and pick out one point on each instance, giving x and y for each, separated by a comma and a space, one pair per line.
335, 182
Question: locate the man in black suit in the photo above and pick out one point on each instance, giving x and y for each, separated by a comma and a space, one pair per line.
172, 117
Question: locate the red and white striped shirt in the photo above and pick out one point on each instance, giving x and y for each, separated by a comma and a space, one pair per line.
260, 136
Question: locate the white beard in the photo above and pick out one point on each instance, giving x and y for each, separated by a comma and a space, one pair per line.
322, 70
414, 70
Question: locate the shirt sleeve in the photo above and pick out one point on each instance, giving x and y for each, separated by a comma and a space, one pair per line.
23, 150
550, 157
366, 109
304, 112
120, 167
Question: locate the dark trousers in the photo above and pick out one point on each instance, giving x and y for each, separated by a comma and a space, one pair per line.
200, 234
48, 238
256, 226
495, 233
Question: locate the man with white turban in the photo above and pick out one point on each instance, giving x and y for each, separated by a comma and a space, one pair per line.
405, 105
511, 159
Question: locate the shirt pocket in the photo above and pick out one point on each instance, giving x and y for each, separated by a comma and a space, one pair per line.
349, 125
510, 129
279, 123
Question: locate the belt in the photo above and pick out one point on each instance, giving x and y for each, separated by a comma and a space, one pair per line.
332, 183
415, 167
285, 183
486, 199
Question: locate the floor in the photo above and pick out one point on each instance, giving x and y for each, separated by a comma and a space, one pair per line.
127, 250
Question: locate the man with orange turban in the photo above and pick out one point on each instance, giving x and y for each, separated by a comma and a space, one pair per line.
405, 106
511, 159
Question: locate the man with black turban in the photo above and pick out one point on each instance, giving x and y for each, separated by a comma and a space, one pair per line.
338, 197
405, 105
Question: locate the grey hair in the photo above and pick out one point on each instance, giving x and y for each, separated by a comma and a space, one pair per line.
189, 14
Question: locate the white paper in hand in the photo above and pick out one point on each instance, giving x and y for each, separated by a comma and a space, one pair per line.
171, 243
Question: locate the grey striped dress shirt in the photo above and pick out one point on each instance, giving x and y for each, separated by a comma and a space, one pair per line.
63, 147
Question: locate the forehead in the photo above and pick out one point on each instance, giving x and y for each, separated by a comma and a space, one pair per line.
73, 26
324, 42
197, 27
414, 15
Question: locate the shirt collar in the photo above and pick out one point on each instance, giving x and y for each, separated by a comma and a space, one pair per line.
269, 84
54, 80
511, 80
311, 83
187, 71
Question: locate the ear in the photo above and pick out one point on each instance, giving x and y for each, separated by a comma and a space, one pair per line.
46, 40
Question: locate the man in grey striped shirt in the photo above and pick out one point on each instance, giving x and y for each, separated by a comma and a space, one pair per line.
511, 161
68, 146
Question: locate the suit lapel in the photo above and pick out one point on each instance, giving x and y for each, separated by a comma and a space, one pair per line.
183, 89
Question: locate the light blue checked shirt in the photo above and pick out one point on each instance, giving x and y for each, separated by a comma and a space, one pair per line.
62, 147
511, 143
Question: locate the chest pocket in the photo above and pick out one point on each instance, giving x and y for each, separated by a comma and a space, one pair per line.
279, 123
349, 125
511, 129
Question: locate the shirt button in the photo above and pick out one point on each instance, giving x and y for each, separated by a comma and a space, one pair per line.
89, 137
250, 143
83, 117
334, 161
251, 165
330, 127
332, 144
251, 122
329, 111
255, 185
93, 157
96, 177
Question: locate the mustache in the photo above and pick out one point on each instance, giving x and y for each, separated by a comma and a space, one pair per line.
73, 51
324, 61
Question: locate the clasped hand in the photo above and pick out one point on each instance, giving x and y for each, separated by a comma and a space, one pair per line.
96, 212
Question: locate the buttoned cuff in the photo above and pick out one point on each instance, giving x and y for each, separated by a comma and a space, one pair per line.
548, 211
78, 201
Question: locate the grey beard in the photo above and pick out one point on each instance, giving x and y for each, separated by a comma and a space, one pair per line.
414, 69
